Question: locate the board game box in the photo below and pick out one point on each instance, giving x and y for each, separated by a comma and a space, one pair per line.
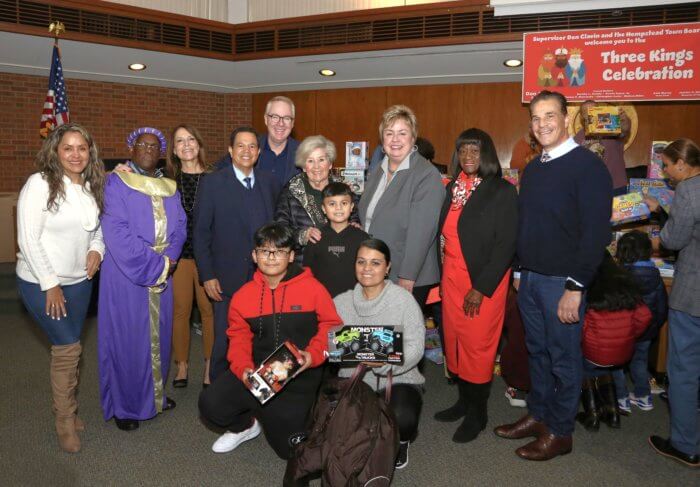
352, 344
629, 207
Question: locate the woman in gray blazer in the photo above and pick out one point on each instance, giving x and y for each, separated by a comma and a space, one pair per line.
401, 204
682, 233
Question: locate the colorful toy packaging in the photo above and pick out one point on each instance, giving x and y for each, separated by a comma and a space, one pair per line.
275, 372
629, 208
353, 344
604, 120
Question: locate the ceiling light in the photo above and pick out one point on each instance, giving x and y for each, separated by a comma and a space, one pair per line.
513, 63
137, 67
326, 72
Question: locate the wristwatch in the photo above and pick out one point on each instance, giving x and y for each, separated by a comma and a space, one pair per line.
570, 285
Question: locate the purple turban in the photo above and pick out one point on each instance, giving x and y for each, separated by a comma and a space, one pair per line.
131, 139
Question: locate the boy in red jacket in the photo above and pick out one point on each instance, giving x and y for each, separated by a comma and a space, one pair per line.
282, 302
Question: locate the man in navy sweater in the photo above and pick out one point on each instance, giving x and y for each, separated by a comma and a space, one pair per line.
564, 226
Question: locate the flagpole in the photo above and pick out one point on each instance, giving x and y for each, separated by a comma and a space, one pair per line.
55, 111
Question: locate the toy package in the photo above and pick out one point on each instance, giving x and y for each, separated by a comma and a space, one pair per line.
656, 165
355, 155
604, 120
639, 185
355, 178
433, 346
656, 188
629, 207
352, 344
275, 371
511, 175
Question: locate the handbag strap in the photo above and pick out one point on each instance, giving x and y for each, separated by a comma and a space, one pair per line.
389, 382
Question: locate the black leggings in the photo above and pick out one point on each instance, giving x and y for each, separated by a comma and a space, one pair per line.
406, 402
228, 404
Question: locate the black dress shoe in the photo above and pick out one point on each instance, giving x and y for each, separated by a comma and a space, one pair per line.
169, 404
126, 424
180, 383
664, 447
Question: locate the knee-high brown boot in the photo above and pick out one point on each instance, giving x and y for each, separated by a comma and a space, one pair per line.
64, 381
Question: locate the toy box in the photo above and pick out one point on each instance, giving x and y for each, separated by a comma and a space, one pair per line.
629, 207
603, 120
433, 346
351, 344
656, 165
355, 155
656, 188
275, 372
355, 178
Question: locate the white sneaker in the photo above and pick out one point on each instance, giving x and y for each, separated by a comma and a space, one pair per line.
230, 441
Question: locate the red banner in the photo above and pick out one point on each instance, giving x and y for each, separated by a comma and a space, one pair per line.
653, 62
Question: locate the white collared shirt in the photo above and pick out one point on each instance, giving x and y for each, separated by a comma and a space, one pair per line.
240, 175
383, 184
562, 149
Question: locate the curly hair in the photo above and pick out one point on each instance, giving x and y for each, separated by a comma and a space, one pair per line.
173, 164
49, 164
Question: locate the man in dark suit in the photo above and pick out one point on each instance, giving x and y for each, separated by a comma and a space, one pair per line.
232, 204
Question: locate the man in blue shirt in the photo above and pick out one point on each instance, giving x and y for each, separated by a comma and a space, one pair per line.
277, 148
564, 211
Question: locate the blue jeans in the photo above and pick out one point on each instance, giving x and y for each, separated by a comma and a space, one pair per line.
67, 330
683, 365
554, 352
639, 372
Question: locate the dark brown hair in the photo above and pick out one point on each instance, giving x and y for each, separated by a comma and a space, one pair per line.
550, 95
173, 164
49, 164
684, 149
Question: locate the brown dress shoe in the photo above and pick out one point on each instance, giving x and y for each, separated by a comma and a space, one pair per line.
524, 427
546, 447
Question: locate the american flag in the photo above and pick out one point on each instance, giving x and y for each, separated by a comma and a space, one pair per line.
56, 105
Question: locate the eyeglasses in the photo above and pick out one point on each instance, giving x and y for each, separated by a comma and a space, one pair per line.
276, 118
145, 146
272, 254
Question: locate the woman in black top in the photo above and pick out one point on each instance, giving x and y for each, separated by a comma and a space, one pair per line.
186, 164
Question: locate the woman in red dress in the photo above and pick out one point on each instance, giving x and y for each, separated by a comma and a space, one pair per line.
479, 222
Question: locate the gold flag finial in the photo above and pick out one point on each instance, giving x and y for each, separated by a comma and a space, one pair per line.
56, 28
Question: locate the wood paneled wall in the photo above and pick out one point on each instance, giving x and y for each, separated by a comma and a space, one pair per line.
443, 111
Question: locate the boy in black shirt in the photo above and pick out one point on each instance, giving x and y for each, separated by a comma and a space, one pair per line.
332, 259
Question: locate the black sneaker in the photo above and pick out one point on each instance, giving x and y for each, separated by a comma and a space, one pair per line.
664, 447
402, 458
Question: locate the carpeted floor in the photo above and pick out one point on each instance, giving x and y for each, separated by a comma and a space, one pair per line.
174, 448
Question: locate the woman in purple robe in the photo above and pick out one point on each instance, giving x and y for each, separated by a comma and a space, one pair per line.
144, 229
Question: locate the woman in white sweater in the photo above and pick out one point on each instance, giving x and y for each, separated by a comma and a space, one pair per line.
376, 301
60, 250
